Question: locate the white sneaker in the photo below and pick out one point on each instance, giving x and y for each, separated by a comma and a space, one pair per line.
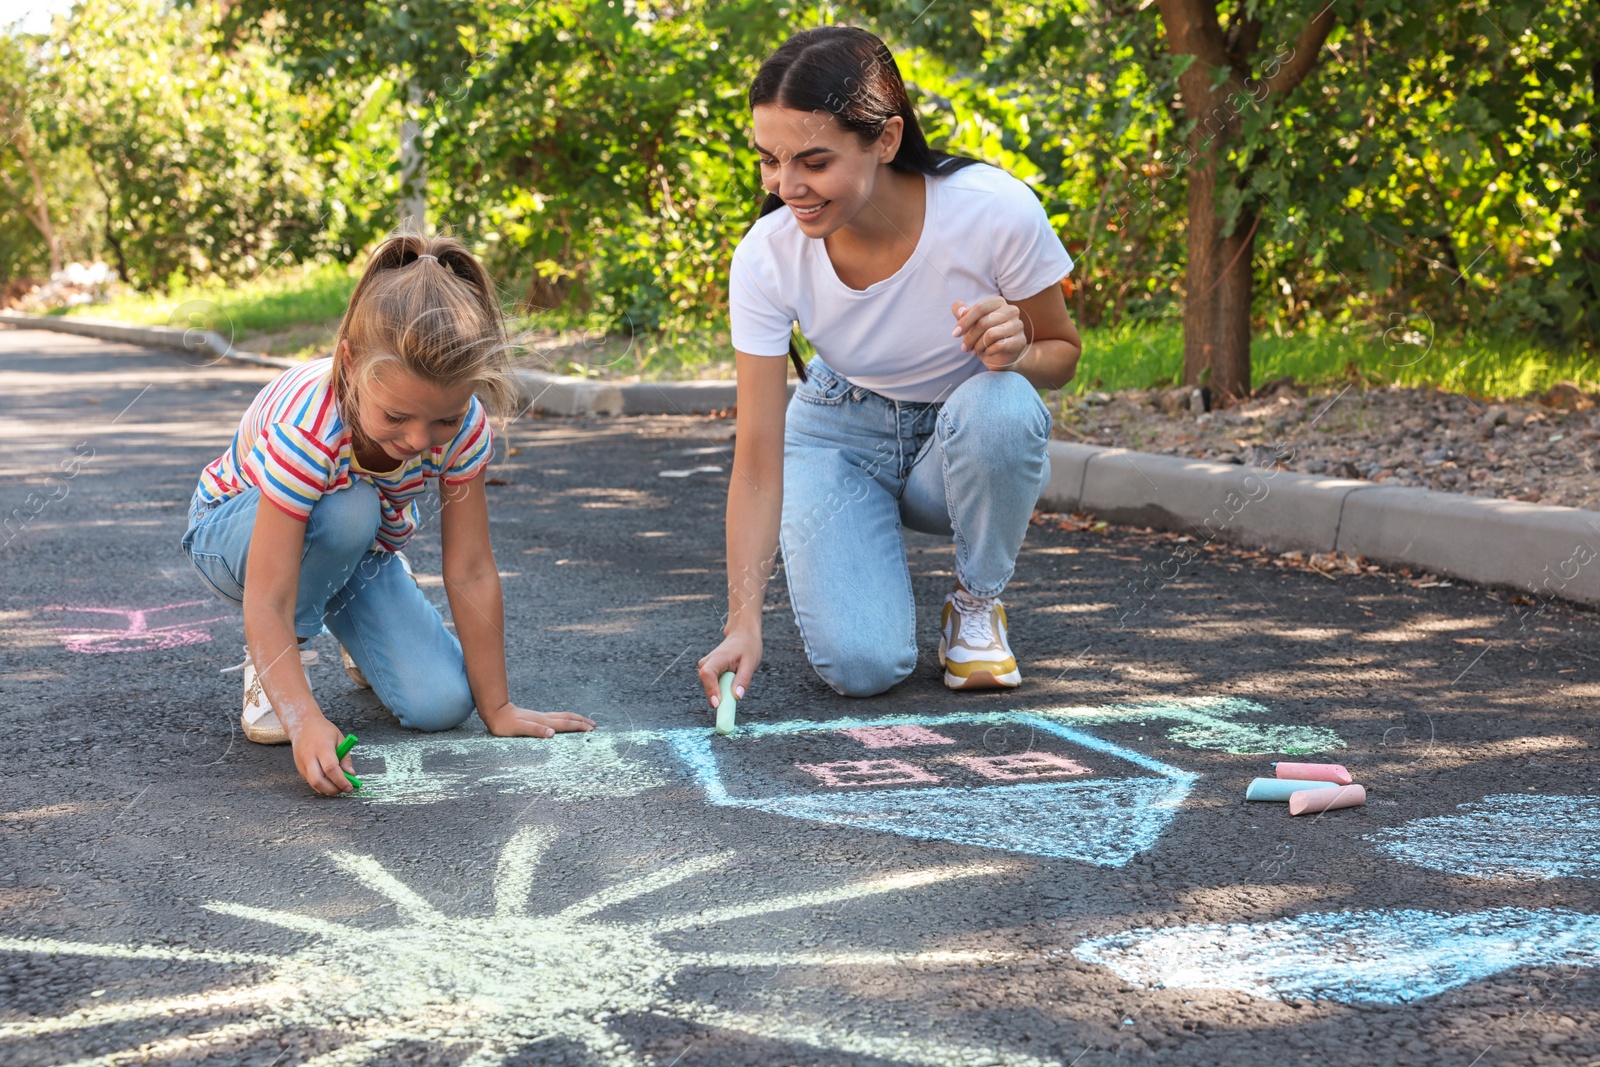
259, 721
972, 644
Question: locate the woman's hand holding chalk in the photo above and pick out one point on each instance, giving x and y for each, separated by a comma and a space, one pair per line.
342, 751
726, 704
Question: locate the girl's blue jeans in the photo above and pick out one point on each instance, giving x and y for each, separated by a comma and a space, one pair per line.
857, 467
364, 597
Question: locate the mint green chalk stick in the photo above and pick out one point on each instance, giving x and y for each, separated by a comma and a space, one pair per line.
1280, 788
726, 704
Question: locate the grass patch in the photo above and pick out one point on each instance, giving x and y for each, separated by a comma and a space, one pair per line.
274, 303
1139, 356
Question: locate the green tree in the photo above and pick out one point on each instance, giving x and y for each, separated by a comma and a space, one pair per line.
1232, 94
197, 155
22, 164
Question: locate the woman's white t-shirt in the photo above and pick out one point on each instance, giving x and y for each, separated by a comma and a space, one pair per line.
983, 233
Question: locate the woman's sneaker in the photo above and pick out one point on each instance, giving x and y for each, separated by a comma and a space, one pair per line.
259, 721
352, 670
972, 644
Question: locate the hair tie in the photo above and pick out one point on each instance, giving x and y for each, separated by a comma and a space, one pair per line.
428, 255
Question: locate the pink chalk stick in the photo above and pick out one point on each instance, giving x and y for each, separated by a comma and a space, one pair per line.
1315, 772
1309, 800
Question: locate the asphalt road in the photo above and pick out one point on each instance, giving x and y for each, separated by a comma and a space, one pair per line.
1065, 874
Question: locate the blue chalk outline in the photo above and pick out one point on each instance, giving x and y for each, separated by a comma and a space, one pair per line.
1129, 801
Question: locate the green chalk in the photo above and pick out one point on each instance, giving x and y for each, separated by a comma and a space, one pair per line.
342, 751
727, 705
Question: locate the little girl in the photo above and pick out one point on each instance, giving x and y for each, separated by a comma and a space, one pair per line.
301, 521
929, 285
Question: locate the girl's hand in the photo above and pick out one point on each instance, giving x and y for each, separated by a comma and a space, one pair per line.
740, 652
508, 720
992, 329
316, 757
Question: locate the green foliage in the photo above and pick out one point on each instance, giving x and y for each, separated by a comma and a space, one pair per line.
1435, 177
199, 158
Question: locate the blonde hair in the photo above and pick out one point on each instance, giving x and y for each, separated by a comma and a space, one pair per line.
426, 305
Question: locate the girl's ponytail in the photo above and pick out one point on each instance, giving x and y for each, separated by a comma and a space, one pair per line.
427, 305
850, 74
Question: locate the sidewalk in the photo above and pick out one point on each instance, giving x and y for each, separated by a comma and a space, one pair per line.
1542, 551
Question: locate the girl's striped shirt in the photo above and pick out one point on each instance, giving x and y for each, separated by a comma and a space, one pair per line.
294, 446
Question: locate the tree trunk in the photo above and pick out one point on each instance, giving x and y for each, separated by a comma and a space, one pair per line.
1216, 309
413, 169
111, 230
41, 206
1589, 239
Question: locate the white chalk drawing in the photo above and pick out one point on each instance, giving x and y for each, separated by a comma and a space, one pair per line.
1105, 818
1508, 837
570, 767
492, 987
138, 635
612, 763
1375, 957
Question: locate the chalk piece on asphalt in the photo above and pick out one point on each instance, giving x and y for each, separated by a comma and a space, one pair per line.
1314, 772
726, 704
1309, 800
1280, 788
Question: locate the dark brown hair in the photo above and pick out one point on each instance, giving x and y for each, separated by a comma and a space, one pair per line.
850, 74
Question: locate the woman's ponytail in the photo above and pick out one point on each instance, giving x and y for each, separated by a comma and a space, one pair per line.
427, 305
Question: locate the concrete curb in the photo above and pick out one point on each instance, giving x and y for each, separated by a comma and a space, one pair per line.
1538, 549
201, 347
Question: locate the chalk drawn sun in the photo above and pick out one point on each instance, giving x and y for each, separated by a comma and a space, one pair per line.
490, 987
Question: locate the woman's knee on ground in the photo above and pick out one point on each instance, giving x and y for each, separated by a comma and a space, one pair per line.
431, 701
866, 672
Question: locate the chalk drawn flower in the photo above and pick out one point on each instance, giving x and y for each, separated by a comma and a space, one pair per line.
484, 989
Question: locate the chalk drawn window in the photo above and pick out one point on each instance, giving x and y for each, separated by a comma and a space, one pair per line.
1024, 765
897, 736
867, 772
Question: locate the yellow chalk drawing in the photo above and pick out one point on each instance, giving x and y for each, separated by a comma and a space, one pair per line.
486, 988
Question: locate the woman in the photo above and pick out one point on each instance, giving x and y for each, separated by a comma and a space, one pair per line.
929, 286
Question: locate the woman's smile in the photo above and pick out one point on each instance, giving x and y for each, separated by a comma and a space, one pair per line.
807, 212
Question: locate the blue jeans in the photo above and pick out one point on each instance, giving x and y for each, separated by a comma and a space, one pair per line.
364, 597
857, 467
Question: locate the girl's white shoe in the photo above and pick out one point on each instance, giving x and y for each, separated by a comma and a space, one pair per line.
259, 721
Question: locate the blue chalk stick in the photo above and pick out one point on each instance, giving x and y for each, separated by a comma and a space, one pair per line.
1280, 788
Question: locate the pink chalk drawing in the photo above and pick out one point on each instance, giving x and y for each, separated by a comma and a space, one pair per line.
139, 635
897, 736
867, 772
1023, 766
